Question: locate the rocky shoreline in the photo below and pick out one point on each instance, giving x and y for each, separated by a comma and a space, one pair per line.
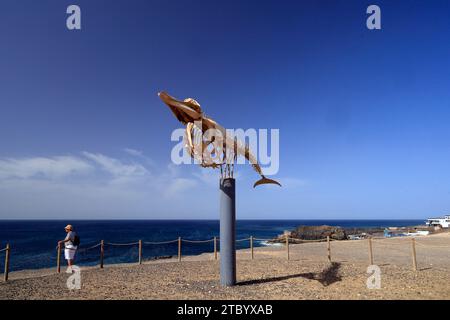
304, 233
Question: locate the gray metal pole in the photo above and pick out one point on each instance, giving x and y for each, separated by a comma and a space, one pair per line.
227, 232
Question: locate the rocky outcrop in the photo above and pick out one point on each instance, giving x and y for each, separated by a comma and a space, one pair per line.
305, 233
318, 232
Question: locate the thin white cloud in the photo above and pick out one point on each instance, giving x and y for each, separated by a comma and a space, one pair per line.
78, 187
178, 186
138, 154
116, 167
208, 176
173, 169
133, 152
291, 182
42, 167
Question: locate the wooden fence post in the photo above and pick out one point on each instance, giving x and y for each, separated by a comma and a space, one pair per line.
287, 245
251, 245
140, 251
58, 258
413, 248
179, 249
370, 252
329, 248
8, 249
215, 248
102, 253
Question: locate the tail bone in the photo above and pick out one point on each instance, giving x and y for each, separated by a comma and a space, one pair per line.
265, 180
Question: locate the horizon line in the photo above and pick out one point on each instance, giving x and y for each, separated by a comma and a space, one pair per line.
184, 219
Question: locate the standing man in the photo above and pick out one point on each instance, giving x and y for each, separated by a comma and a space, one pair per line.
71, 243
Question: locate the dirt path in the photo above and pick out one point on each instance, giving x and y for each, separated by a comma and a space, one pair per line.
307, 275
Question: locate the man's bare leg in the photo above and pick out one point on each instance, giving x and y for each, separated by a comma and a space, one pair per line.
69, 265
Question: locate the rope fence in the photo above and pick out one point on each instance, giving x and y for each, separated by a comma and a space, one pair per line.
92, 247
198, 241
286, 242
431, 246
7, 251
122, 244
162, 242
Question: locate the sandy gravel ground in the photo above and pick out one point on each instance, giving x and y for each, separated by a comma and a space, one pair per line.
307, 275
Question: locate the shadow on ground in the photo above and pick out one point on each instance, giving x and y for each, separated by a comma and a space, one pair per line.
327, 277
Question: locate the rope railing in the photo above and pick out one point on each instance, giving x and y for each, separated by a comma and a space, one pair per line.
198, 241
161, 242
431, 245
281, 240
316, 240
121, 244
404, 242
413, 243
92, 247
85, 250
261, 239
388, 241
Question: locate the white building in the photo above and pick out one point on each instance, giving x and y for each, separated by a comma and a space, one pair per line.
443, 222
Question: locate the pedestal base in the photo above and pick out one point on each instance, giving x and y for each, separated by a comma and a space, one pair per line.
227, 232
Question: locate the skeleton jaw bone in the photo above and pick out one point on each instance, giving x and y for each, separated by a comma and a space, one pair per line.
185, 111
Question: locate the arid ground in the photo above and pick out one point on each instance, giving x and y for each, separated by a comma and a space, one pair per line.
306, 275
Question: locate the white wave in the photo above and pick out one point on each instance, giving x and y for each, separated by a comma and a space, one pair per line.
271, 244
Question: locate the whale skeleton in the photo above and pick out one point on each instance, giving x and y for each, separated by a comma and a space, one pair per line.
208, 142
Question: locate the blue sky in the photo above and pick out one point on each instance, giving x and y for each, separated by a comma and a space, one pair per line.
363, 115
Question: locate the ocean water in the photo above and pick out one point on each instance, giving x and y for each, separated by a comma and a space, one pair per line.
33, 243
